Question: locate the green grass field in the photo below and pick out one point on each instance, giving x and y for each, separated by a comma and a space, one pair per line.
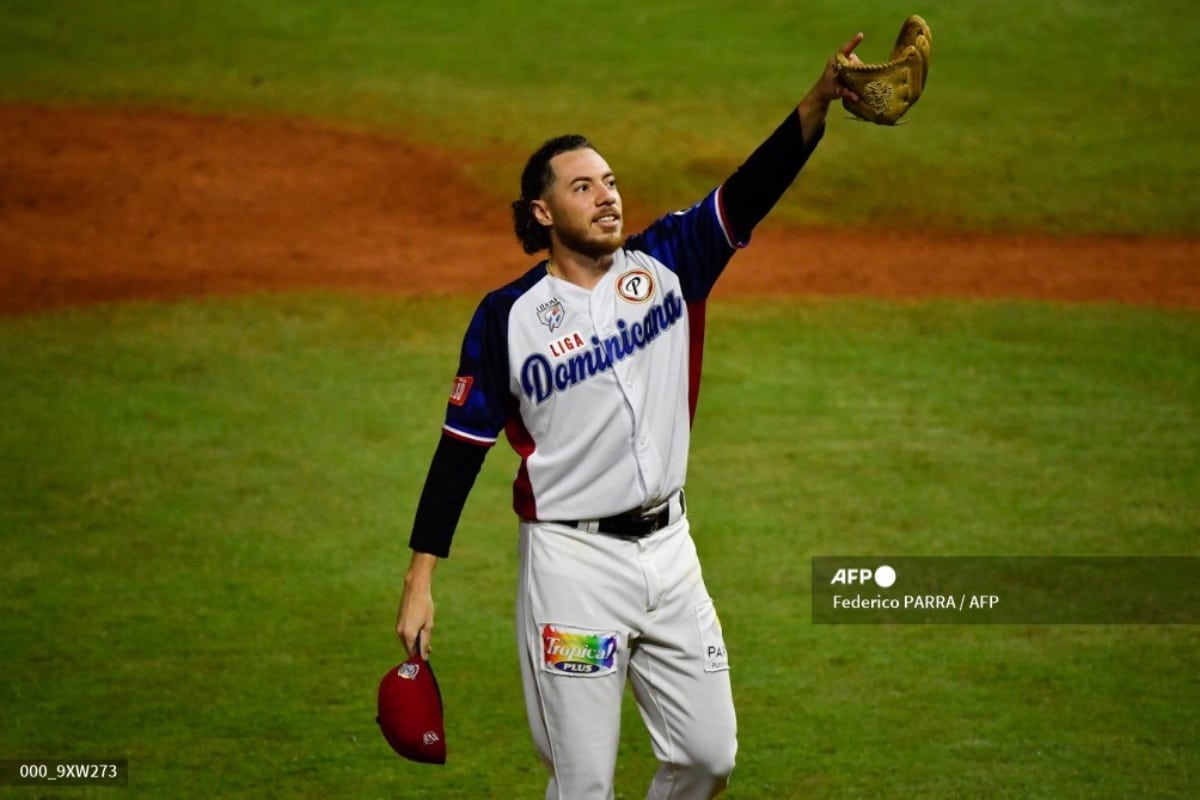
204, 505
205, 510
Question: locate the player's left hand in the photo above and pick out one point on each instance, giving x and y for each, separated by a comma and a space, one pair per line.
815, 105
827, 88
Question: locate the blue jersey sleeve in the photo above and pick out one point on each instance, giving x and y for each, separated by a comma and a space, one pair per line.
694, 243
698, 243
475, 411
480, 401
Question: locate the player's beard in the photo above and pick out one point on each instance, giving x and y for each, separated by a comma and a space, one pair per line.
589, 242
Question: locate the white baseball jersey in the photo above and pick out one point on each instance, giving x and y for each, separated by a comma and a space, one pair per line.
561, 368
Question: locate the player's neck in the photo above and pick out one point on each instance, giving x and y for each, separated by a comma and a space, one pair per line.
578, 268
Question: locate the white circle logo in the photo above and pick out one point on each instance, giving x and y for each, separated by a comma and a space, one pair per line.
636, 286
885, 576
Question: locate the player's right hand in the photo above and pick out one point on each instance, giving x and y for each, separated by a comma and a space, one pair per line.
414, 617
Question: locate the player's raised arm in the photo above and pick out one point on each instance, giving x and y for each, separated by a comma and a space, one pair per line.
753, 190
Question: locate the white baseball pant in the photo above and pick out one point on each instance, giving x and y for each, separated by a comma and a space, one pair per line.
593, 609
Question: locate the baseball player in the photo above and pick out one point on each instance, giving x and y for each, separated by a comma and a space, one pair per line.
590, 364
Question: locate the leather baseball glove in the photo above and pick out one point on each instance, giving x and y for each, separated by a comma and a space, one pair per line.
887, 91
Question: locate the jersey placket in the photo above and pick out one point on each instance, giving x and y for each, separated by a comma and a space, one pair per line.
631, 373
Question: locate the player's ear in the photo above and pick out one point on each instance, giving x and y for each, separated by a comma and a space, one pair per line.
541, 212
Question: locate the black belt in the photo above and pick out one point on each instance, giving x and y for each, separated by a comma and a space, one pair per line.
631, 524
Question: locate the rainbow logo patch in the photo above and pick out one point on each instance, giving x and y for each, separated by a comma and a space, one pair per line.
573, 651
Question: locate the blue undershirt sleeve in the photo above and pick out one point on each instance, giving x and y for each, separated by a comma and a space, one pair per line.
752, 191
451, 475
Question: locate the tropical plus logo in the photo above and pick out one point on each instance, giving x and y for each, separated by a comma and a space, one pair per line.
573, 651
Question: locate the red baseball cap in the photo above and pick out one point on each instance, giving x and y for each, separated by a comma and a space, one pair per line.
410, 712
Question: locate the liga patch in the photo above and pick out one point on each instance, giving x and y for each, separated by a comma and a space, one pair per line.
566, 345
578, 652
460, 390
712, 640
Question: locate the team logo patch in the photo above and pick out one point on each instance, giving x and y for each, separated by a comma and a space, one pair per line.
460, 390
409, 671
574, 651
551, 314
636, 286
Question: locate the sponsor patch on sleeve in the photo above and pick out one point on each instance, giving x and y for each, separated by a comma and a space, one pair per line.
578, 652
716, 659
460, 389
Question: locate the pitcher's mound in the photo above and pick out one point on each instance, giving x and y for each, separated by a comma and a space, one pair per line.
104, 205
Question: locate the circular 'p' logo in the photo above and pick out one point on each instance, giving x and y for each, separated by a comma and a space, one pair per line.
636, 286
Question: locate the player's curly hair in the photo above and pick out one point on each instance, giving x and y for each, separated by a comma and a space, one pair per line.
535, 180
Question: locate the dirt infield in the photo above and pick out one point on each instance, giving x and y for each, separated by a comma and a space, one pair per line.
109, 205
